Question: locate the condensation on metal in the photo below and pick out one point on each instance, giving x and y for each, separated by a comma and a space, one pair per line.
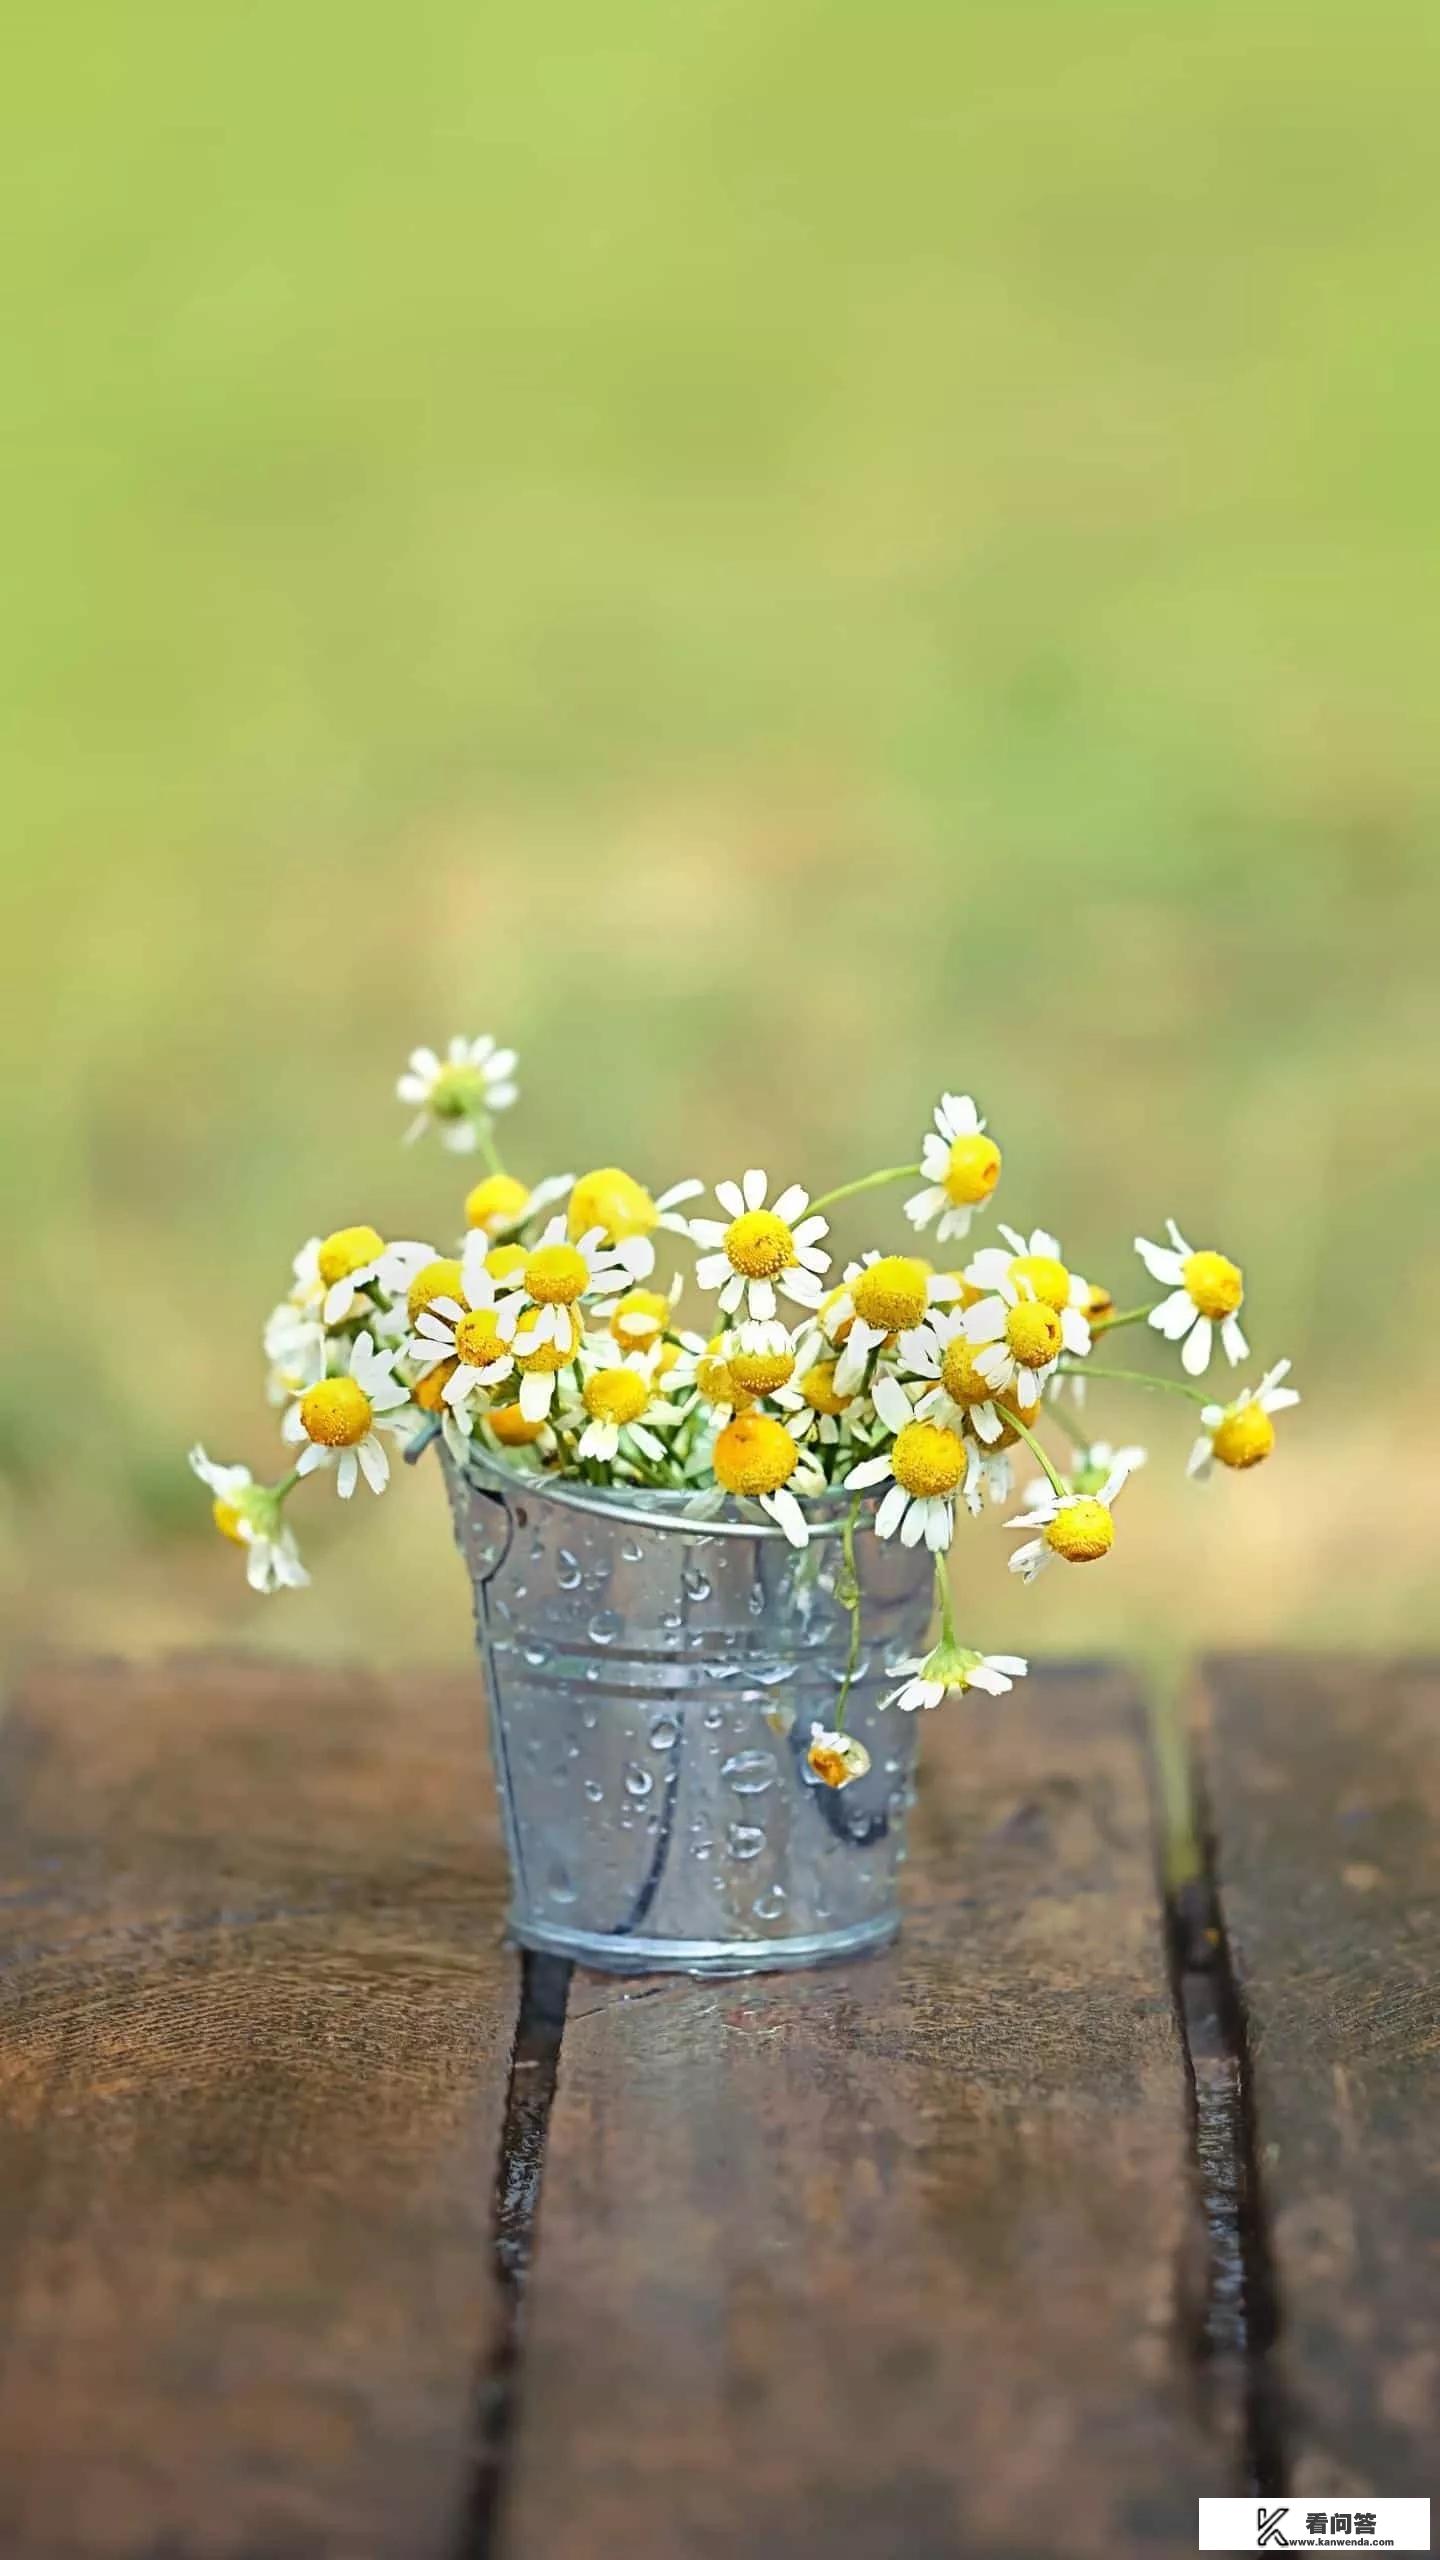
652, 1682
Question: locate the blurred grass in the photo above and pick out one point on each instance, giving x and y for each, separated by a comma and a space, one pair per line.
779, 557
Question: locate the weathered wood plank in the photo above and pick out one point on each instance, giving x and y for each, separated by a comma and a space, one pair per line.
886, 2259
1324, 1779
254, 2028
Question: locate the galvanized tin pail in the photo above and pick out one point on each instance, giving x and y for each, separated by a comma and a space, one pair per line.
652, 1683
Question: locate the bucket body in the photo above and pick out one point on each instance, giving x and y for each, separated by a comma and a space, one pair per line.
652, 1681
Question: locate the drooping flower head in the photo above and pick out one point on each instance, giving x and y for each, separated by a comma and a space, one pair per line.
1206, 1290
250, 1515
1242, 1434
459, 1093
1078, 1526
961, 1166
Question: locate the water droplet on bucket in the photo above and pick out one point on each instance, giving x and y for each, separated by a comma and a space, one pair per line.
744, 1840
695, 1584
558, 1884
749, 1772
638, 1781
594, 1791
605, 1626
631, 1550
537, 1655
664, 1733
567, 1570
768, 1906
713, 1719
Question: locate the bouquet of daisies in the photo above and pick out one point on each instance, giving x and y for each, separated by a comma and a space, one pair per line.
552, 1338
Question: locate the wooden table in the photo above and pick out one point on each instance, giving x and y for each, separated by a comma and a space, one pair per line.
327, 2229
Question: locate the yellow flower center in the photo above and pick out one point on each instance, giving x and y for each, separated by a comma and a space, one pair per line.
556, 1275
760, 1373
836, 1758
506, 1261
349, 1249
1045, 1278
227, 1518
639, 1315
928, 1459
337, 1413
759, 1244
429, 1391
1081, 1531
438, 1279
1216, 1285
959, 1376
713, 1379
1032, 1331
1244, 1437
613, 1201
541, 1359
478, 1339
891, 1293
512, 1428
973, 1170
754, 1454
498, 1202
1099, 1304
616, 1395
818, 1389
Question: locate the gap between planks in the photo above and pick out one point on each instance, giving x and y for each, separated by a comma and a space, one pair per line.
1229, 2324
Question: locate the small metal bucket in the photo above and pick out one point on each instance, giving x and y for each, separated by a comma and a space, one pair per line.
652, 1683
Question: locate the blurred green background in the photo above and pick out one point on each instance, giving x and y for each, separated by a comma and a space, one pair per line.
780, 557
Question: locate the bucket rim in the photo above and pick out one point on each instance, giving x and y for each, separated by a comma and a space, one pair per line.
827, 1514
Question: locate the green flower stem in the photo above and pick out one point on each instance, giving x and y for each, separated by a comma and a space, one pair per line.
1127, 1315
485, 1132
943, 1600
866, 1182
286, 1484
848, 1593
1134, 1378
1057, 1481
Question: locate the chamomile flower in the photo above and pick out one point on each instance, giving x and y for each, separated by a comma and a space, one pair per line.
961, 1168
756, 1457
950, 1666
456, 1093
880, 1297
1017, 1339
454, 1306
501, 1202
624, 1213
332, 1272
1241, 1434
338, 1418
961, 1395
641, 1318
542, 1304
1206, 1289
620, 1398
250, 1515
760, 1249
926, 1463
835, 1758
1077, 1526
1035, 1265
814, 1404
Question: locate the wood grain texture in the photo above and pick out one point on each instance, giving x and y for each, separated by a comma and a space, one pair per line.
254, 2028
885, 2259
1324, 1780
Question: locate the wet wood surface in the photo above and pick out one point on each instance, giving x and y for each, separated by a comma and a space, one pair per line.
1324, 1783
327, 2235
